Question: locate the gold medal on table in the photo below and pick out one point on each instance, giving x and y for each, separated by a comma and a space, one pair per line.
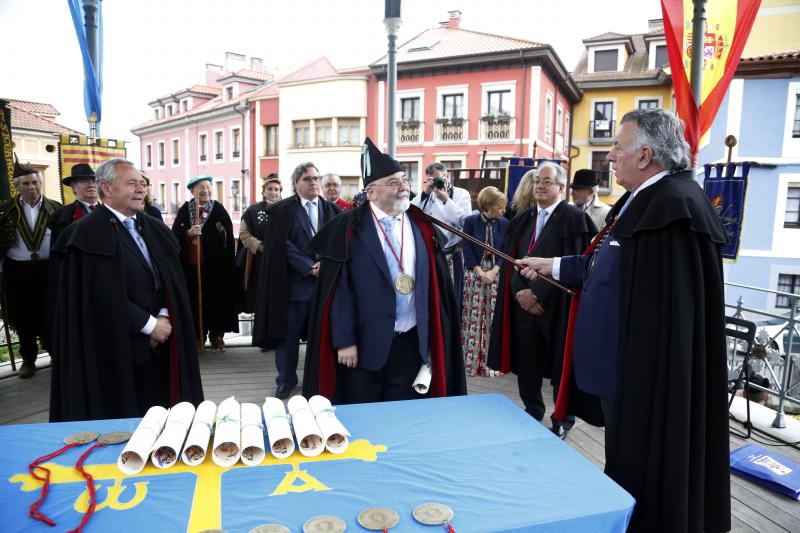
84, 437
403, 283
115, 437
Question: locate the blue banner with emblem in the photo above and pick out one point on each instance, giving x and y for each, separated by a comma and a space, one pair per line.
727, 193
517, 167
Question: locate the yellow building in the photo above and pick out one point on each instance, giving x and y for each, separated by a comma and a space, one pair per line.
617, 73
776, 29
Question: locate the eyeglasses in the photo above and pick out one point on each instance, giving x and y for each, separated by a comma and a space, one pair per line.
394, 184
545, 182
310, 179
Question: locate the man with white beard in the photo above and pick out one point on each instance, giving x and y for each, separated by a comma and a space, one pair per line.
373, 325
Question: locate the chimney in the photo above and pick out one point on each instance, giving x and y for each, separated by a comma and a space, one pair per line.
234, 61
212, 73
455, 20
257, 64
655, 24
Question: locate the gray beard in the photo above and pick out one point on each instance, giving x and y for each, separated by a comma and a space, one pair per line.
402, 205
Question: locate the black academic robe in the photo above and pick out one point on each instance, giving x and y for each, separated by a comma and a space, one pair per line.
217, 267
671, 400
249, 265
153, 211
98, 351
567, 232
331, 244
63, 218
271, 320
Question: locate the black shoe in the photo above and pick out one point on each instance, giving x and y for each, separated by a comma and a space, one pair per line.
560, 431
27, 369
282, 392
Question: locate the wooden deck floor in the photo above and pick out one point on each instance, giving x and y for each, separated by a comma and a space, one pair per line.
250, 375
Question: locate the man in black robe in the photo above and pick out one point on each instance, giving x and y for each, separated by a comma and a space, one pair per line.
384, 307
530, 319
83, 182
649, 334
124, 338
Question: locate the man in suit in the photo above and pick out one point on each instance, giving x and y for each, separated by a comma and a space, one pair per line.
583, 190
124, 339
533, 316
649, 334
384, 308
289, 270
332, 189
82, 179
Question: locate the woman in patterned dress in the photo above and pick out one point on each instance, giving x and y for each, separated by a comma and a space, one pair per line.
480, 278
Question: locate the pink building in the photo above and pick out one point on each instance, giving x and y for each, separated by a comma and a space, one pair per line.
460, 91
203, 130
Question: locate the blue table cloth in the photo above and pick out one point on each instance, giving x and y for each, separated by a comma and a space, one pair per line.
497, 468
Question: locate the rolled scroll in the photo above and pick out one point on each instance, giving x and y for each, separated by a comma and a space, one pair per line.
167, 448
334, 434
279, 432
134, 456
306, 430
227, 433
423, 380
194, 451
252, 435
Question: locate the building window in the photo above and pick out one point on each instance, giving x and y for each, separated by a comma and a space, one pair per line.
791, 218
157, 113
169, 110
453, 105
176, 152
220, 194
648, 104
202, 146
148, 156
605, 60
235, 197
409, 109
411, 168
349, 132
236, 142
302, 134
162, 196
602, 167
218, 144
184, 106
796, 126
161, 153
559, 120
271, 137
324, 133
451, 164
498, 102
176, 198
548, 114
787, 283
602, 127
662, 60
228, 93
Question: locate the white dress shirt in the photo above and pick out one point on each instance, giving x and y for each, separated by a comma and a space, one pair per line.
20, 252
452, 212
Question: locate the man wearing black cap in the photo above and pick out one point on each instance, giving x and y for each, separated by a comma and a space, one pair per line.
384, 309
25, 249
84, 186
584, 195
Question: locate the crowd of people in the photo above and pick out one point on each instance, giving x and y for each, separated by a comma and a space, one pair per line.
393, 308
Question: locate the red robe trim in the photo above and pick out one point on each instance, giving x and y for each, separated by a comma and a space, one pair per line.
78, 213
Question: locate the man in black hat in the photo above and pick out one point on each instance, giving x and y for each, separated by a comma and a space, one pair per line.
84, 186
384, 309
584, 195
25, 249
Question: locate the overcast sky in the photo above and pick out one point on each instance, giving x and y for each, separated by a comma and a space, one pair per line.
154, 47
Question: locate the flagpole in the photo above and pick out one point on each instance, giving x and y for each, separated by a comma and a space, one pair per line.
90, 25
698, 46
201, 334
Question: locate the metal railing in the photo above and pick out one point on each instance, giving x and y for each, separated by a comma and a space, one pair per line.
787, 339
601, 131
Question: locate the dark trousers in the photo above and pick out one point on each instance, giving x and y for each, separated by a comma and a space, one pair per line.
286, 353
455, 261
531, 345
26, 294
390, 383
152, 379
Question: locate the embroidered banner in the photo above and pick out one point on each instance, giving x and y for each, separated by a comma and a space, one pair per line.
74, 149
7, 162
727, 196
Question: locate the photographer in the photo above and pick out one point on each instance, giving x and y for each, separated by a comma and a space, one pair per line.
450, 205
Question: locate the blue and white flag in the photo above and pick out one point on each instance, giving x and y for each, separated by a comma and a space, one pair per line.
93, 83
727, 196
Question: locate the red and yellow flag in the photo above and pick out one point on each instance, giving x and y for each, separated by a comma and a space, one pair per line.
728, 24
74, 149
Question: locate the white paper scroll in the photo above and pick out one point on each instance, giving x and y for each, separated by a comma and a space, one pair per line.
306, 430
334, 434
252, 435
167, 448
194, 451
225, 451
279, 432
134, 456
423, 380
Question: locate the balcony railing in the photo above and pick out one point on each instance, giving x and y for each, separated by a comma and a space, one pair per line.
451, 130
175, 161
203, 157
235, 153
410, 132
601, 131
218, 156
497, 128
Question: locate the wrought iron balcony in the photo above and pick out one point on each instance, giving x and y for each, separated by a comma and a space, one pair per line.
410, 132
601, 131
451, 130
497, 128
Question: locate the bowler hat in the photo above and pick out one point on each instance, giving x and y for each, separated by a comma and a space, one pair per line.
584, 179
79, 171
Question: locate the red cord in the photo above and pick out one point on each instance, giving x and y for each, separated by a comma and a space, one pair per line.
450, 529
34, 508
89, 486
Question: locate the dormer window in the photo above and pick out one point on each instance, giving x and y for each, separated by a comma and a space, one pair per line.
157, 114
228, 93
657, 55
606, 60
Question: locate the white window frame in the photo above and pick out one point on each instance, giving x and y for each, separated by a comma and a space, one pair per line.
241, 143
177, 199
559, 118
602, 190
221, 148
216, 187
622, 56
200, 134
791, 146
184, 102
230, 199
412, 93
171, 148
774, 272
163, 145
415, 158
640, 98
492, 86
548, 115
444, 156
146, 163
448, 90
651, 53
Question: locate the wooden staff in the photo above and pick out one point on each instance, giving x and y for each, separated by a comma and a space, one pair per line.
493, 251
201, 335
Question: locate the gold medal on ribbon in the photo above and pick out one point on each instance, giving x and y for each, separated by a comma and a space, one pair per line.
404, 284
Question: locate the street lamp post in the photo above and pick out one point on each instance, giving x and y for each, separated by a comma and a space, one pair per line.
392, 22
90, 25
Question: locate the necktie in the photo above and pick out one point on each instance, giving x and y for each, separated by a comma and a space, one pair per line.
540, 222
91, 207
402, 301
311, 207
130, 224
